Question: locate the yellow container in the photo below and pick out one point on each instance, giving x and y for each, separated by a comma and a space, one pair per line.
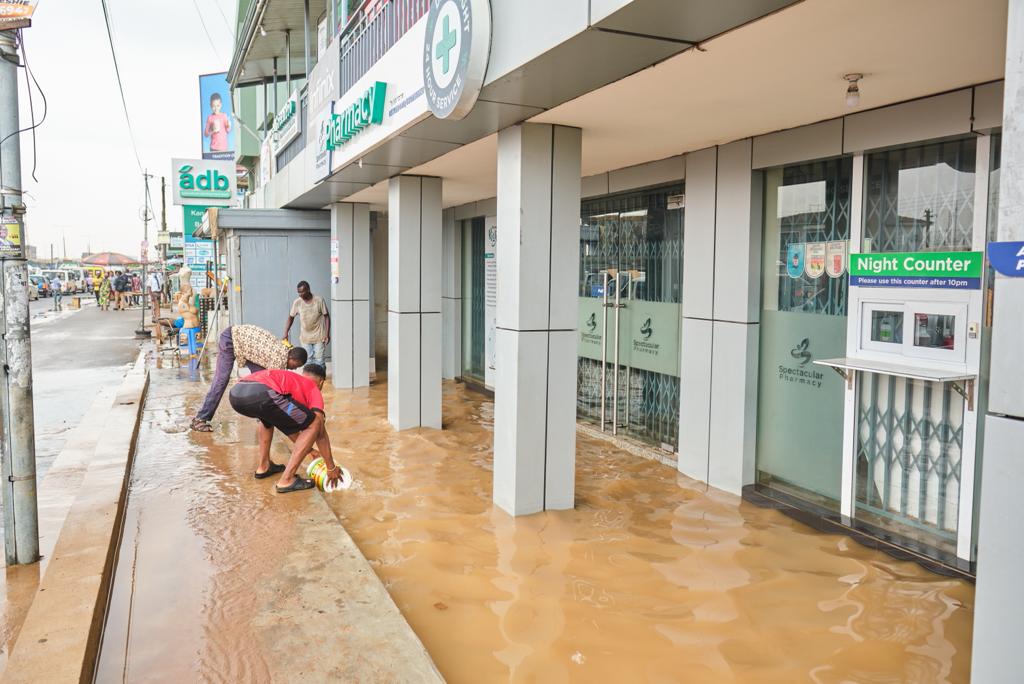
317, 471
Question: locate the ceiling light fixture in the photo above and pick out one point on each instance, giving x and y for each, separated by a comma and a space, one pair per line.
360, 162
853, 90
263, 31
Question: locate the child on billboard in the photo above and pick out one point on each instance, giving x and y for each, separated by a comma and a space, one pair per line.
217, 125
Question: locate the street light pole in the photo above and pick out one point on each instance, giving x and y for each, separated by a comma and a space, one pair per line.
144, 253
21, 513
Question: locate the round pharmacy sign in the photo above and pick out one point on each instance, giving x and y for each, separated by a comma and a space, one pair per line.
455, 52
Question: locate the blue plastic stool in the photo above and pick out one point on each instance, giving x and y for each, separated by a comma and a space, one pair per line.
192, 343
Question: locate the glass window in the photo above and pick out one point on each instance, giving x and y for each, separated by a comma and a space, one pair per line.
803, 318
887, 326
920, 199
934, 331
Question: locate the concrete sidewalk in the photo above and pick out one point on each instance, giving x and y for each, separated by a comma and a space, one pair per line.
220, 578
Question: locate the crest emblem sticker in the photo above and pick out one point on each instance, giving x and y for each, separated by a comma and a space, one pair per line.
814, 259
795, 259
835, 258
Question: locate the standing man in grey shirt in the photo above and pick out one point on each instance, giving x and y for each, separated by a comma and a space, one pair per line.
314, 323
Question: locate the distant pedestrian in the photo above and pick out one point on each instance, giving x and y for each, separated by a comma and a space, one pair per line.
136, 283
153, 287
252, 347
104, 291
314, 322
57, 288
88, 283
120, 291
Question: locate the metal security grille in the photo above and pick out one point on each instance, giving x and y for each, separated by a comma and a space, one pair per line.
920, 199
475, 367
829, 221
909, 440
633, 232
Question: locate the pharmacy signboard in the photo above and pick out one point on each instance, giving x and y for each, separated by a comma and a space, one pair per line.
941, 270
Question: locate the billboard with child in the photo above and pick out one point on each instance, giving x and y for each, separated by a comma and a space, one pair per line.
217, 119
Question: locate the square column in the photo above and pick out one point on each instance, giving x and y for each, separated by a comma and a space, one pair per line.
535, 338
350, 295
451, 295
414, 302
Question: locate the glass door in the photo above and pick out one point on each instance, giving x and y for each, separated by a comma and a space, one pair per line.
630, 293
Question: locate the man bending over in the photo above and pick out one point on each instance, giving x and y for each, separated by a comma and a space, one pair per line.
293, 404
253, 347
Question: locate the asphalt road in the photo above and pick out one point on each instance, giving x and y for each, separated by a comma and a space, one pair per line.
74, 354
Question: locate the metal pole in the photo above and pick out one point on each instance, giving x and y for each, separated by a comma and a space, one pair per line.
144, 253
288, 60
615, 356
21, 514
276, 106
604, 343
305, 35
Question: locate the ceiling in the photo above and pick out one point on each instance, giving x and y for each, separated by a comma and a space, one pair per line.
779, 72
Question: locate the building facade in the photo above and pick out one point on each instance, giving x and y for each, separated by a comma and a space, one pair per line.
750, 239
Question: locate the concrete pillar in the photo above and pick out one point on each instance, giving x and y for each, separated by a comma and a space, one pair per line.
537, 263
721, 312
451, 295
350, 295
414, 302
998, 600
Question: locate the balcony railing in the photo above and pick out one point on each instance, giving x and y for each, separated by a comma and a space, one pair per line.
371, 31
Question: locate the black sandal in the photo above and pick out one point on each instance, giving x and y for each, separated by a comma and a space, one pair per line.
274, 469
298, 485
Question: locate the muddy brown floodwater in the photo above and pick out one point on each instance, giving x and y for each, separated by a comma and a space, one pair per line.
651, 578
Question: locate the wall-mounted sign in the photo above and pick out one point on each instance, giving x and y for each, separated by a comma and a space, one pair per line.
16, 13
490, 298
287, 123
203, 181
366, 110
325, 80
944, 270
321, 128
456, 48
1007, 258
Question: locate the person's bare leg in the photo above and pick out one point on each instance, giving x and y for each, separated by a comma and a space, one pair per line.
266, 435
303, 443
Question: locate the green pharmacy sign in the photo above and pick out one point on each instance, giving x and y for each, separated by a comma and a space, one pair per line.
943, 270
209, 185
366, 110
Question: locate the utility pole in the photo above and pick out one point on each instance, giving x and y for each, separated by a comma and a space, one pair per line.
21, 514
144, 253
163, 220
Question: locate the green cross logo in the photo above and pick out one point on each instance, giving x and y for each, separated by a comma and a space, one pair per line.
444, 47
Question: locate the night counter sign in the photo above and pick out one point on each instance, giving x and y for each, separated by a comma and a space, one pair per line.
940, 270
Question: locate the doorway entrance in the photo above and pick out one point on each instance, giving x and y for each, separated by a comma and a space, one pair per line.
630, 292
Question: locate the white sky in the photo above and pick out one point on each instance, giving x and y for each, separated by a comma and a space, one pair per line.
90, 190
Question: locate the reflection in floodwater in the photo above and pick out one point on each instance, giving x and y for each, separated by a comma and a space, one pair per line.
650, 578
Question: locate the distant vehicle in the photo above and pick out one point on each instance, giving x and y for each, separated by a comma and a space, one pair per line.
67, 278
40, 285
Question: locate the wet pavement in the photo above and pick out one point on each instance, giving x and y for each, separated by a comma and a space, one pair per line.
651, 578
219, 579
74, 355
79, 357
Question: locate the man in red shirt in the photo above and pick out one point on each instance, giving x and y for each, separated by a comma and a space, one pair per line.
292, 403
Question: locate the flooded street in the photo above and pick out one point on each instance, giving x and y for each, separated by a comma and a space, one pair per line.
650, 578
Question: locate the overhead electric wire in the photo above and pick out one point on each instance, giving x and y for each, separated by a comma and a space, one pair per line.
213, 46
31, 106
231, 31
120, 87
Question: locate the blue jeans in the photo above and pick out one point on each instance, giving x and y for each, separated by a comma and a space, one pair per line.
315, 353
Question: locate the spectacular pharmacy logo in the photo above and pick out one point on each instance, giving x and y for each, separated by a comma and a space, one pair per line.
456, 47
592, 323
645, 330
800, 351
210, 184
